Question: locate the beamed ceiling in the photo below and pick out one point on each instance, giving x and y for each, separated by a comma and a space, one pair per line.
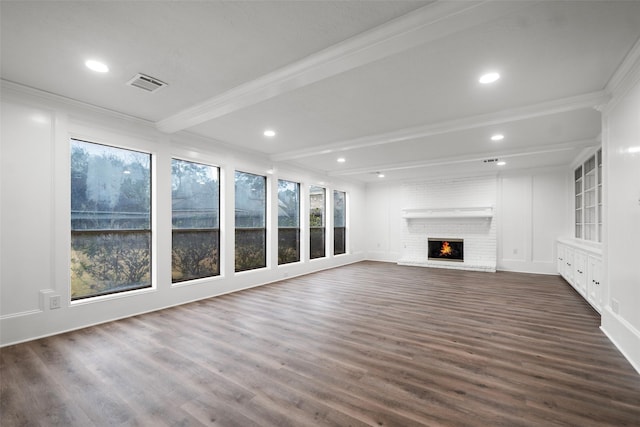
390, 86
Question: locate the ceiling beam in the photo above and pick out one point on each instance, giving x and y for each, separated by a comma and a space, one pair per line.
588, 100
472, 158
424, 25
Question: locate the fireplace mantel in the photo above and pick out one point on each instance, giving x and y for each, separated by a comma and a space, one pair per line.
468, 212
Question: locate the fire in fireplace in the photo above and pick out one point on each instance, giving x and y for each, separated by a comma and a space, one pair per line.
446, 249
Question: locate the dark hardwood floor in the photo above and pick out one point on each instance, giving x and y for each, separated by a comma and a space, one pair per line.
366, 344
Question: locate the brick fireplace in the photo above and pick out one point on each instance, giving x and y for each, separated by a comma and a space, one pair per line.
459, 210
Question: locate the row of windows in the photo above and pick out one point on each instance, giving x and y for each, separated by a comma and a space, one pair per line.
111, 220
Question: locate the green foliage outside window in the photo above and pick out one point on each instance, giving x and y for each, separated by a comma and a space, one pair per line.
195, 217
110, 220
250, 218
317, 206
288, 222
339, 222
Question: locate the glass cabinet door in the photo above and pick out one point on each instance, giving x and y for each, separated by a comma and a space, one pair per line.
578, 205
588, 199
599, 162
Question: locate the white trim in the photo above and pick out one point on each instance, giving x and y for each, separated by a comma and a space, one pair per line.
421, 26
616, 338
594, 248
487, 268
625, 77
466, 212
563, 105
547, 149
41, 95
20, 314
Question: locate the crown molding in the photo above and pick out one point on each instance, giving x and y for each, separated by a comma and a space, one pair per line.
17, 89
421, 26
626, 76
588, 100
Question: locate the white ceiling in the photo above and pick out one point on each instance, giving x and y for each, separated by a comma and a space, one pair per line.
391, 86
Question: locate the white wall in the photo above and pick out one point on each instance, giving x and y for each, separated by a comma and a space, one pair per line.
621, 132
532, 208
530, 215
35, 217
383, 207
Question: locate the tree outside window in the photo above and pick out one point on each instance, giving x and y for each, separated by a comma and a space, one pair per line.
250, 216
288, 222
195, 212
110, 220
339, 222
317, 207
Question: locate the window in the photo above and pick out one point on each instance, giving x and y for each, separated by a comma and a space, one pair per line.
317, 222
251, 211
110, 220
288, 222
339, 222
195, 220
588, 198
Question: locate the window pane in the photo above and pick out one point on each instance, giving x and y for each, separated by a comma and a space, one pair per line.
251, 200
110, 188
250, 248
250, 215
339, 240
316, 222
288, 245
288, 204
316, 240
195, 216
339, 209
316, 206
339, 222
288, 222
110, 220
194, 195
109, 262
194, 254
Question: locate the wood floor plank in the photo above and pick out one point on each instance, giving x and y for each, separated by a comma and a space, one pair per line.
369, 344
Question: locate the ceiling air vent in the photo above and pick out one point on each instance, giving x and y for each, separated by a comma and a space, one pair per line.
148, 83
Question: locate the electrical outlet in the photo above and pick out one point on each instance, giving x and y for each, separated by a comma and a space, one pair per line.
54, 302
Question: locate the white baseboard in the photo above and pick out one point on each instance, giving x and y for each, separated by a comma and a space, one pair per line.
623, 335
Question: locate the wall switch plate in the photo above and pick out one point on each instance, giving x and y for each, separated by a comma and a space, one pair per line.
54, 302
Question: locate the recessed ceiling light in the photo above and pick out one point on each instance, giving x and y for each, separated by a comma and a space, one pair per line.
501, 163
270, 133
380, 175
633, 150
489, 78
97, 66
497, 137
341, 160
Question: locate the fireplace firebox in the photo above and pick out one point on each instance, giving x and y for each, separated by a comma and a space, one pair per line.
446, 250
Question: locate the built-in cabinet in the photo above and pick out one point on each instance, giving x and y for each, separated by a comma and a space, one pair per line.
588, 198
581, 266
